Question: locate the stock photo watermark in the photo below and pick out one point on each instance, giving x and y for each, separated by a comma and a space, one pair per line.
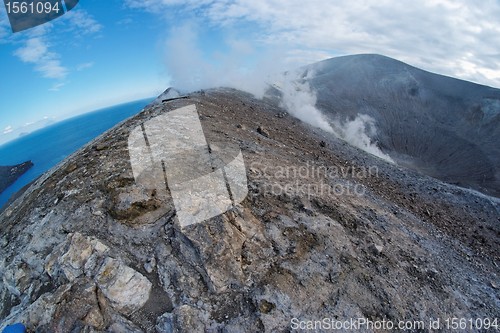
171, 151
31, 13
170, 155
310, 180
363, 324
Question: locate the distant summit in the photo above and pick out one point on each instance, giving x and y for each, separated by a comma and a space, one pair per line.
169, 94
440, 126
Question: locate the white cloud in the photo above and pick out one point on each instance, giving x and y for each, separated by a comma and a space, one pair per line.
57, 86
191, 69
37, 48
158, 6
11, 133
82, 22
458, 38
33, 51
36, 51
84, 66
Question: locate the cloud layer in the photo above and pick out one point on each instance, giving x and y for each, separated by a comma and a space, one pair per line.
36, 44
240, 66
35, 51
457, 38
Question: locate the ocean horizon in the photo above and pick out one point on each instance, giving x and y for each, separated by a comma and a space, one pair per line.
50, 145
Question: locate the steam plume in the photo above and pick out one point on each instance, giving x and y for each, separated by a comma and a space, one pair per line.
192, 70
300, 101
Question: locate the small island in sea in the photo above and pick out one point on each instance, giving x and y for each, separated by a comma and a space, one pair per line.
9, 174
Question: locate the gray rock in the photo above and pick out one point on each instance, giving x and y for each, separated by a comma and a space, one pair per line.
76, 256
150, 265
126, 289
262, 131
165, 324
376, 249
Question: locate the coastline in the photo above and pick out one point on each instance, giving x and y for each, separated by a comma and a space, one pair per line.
9, 174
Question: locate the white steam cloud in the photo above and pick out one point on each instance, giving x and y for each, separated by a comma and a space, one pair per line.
241, 65
358, 132
244, 67
300, 101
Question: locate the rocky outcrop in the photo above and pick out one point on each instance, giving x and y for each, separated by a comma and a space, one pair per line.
126, 289
89, 280
326, 231
9, 174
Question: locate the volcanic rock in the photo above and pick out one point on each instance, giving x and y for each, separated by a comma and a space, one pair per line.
341, 234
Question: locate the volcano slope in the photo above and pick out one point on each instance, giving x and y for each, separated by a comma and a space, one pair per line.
440, 126
85, 249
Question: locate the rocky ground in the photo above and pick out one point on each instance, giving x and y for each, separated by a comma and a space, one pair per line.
9, 174
85, 249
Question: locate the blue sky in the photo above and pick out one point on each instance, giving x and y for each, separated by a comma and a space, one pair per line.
106, 52
101, 53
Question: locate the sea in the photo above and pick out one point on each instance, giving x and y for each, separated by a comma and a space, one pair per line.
52, 144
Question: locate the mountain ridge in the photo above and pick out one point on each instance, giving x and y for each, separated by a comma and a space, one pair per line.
382, 57
441, 126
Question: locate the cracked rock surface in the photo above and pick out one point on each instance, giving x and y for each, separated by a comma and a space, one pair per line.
86, 249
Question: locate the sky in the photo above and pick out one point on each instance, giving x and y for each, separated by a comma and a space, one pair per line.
103, 53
